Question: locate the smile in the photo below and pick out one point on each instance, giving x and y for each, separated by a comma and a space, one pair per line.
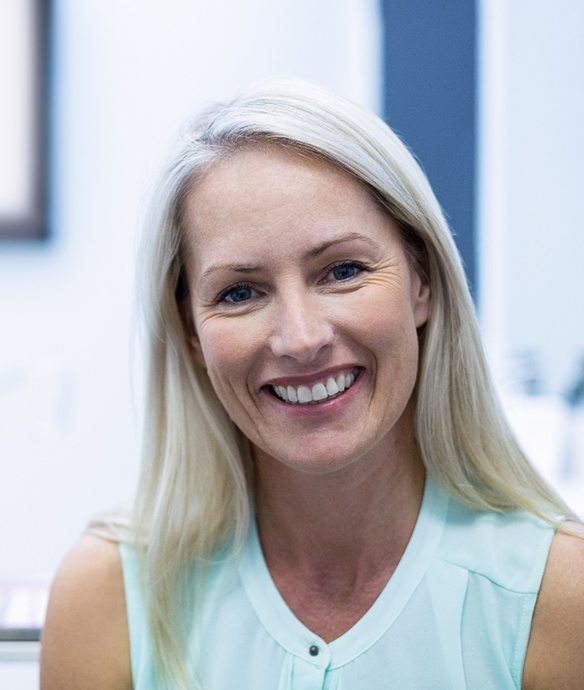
331, 387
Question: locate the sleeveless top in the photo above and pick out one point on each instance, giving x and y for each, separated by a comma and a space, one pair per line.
455, 615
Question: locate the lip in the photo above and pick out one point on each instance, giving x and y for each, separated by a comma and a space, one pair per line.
330, 406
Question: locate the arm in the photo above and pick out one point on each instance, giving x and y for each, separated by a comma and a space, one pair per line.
555, 654
85, 642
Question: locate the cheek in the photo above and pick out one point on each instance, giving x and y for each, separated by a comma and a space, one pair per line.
229, 349
388, 330
222, 357
384, 320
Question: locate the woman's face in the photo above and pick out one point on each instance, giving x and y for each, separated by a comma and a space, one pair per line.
305, 308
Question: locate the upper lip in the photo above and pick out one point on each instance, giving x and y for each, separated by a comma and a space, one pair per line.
310, 379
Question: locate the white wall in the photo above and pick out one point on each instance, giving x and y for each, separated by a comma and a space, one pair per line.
126, 73
531, 224
532, 227
546, 183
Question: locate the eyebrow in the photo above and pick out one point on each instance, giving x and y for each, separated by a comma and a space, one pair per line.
312, 253
323, 246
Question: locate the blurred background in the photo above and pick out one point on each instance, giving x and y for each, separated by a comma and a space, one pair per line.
488, 95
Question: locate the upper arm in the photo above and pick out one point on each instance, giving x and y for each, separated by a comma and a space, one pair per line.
85, 642
555, 654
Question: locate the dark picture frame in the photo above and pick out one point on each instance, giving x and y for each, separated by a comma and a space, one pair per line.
27, 217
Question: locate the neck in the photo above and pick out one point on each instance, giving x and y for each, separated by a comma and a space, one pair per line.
354, 522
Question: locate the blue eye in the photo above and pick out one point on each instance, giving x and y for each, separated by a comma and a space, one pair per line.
237, 294
346, 271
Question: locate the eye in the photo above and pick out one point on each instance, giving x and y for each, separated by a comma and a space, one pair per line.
237, 294
345, 271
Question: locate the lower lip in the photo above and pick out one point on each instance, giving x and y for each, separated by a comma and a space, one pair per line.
325, 407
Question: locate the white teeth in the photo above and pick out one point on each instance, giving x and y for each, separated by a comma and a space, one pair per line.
319, 391
304, 394
331, 386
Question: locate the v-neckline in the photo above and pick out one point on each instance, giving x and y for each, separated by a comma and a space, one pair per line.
288, 631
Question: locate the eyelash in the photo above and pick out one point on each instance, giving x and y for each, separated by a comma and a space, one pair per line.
222, 297
345, 264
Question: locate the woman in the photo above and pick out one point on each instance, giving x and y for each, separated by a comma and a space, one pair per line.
330, 495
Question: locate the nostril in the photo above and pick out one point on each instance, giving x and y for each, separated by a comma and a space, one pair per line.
301, 343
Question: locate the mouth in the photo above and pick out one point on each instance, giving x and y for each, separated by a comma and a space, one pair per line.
319, 392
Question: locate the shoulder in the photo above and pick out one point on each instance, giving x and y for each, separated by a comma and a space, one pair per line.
509, 549
85, 638
555, 655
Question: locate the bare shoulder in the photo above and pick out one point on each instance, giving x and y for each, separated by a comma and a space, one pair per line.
85, 638
555, 655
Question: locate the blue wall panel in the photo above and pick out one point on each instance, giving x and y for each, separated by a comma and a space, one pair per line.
430, 100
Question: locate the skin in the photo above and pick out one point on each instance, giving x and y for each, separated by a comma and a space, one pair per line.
555, 654
85, 642
335, 512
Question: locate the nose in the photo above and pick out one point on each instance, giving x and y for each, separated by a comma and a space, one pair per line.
301, 329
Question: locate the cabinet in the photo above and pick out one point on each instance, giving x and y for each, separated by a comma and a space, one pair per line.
19, 665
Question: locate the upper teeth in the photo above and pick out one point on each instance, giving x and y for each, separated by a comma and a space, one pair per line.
319, 391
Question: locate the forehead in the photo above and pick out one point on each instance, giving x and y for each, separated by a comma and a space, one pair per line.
265, 176
277, 199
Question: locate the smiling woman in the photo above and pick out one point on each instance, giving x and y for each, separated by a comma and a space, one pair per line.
330, 496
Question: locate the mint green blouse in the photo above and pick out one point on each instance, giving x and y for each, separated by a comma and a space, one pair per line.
455, 615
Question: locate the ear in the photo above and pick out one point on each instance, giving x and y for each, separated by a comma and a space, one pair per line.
187, 318
193, 342
421, 302
197, 350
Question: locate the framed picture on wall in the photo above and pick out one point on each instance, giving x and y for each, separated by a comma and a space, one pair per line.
23, 118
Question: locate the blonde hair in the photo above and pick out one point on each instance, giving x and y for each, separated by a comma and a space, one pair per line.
193, 493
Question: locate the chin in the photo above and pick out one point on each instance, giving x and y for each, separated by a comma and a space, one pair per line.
311, 461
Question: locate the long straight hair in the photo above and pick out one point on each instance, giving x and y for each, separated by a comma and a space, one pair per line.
193, 492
